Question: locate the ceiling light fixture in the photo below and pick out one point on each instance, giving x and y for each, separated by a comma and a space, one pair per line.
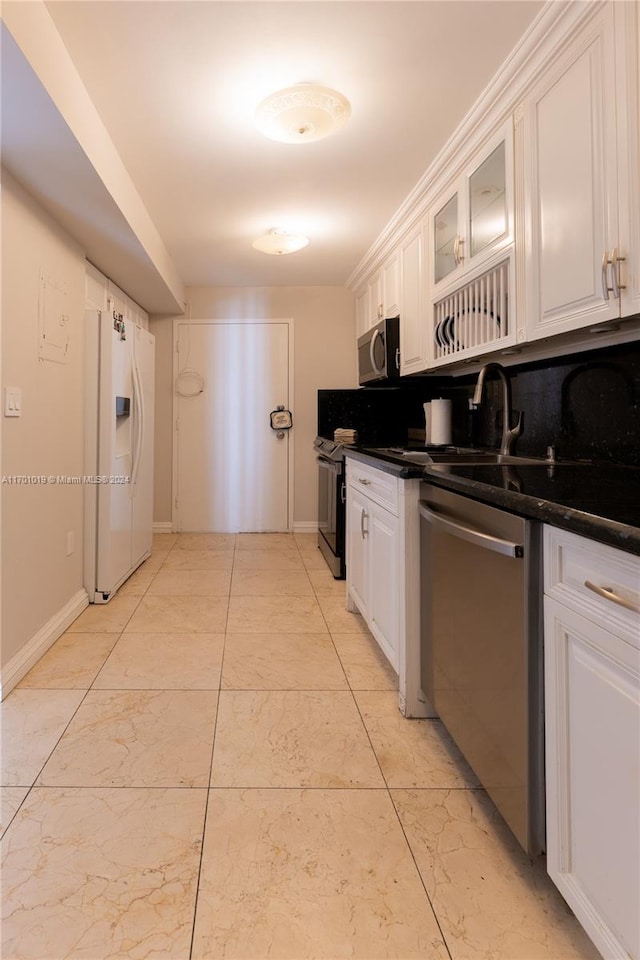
279, 242
302, 114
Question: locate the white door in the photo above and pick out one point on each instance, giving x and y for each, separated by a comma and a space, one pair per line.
232, 468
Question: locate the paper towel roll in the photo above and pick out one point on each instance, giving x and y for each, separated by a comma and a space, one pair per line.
427, 422
440, 421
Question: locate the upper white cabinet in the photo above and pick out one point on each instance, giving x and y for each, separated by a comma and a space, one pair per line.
96, 289
471, 230
473, 219
531, 214
414, 355
581, 183
391, 286
362, 311
379, 297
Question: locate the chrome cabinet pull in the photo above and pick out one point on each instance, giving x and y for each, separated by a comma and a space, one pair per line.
615, 260
366, 483
605, 283
398, 358
343, 493
363, 517
457, 256
608, 593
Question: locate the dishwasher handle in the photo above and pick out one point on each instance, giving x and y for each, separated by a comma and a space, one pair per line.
463, 532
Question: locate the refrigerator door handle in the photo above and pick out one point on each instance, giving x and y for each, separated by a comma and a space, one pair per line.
139, 424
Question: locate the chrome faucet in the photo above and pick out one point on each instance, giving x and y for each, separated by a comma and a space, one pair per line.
509, 434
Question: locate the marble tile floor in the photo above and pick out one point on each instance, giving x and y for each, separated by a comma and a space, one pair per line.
213, 766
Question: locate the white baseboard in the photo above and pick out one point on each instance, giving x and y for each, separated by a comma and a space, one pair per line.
162, 526
305, 526
37, 646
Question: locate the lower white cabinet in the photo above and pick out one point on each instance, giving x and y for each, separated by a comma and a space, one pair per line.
592, 707
383, 571
373, 566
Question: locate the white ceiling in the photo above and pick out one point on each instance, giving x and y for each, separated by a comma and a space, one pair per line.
176, 84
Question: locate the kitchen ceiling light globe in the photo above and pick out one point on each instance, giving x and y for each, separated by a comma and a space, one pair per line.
279, 242
302, 114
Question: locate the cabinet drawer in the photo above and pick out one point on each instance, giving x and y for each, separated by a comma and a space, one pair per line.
379, 486
599, 582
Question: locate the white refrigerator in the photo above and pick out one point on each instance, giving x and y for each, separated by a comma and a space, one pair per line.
118, 482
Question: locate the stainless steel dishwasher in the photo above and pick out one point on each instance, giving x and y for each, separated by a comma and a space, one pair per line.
481, 648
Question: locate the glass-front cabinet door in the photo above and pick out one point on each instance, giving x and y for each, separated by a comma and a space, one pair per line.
445, 239
473, 219
488, 220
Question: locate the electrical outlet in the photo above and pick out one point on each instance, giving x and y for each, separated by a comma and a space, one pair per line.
71, 542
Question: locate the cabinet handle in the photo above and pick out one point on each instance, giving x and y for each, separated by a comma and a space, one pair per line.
398, 358
615, 260
343, 493
609, 594
605, 283
365, 483
457, 256
363, 517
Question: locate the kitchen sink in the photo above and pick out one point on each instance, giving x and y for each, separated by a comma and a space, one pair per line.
461, 456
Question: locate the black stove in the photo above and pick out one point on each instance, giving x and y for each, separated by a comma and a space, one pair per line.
330, 449
331, 504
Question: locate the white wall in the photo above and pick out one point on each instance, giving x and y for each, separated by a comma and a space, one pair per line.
38, 578
139, 259
324, 358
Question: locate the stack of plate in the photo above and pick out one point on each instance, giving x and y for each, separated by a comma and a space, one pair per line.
343, 435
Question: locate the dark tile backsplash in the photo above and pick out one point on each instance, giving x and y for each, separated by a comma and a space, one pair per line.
587, 406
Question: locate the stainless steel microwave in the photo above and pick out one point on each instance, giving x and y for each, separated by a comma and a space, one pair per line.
379, 352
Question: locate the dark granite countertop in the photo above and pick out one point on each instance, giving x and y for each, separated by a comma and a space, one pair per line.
599, 501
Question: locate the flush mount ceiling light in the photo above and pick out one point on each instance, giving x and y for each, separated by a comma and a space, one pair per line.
279, 242
302, 114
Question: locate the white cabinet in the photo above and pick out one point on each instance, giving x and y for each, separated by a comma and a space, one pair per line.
414, 356
473, 220
383, 571
358, 549
581, 181
472, 267
379, 297
102, 294
375, 304
121, 303
372, 553
369, 305
592, 693
362, 311
391, 286
96, 289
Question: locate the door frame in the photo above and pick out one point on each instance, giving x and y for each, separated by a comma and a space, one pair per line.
177, 322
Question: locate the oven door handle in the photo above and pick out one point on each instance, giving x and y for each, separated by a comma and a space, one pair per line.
471, 535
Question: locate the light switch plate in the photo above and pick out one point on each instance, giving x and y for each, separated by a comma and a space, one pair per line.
12, 402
